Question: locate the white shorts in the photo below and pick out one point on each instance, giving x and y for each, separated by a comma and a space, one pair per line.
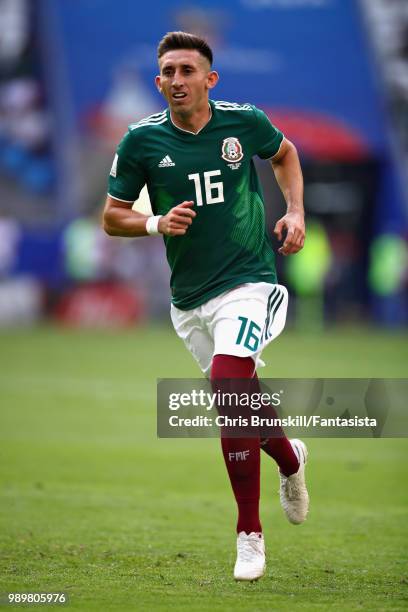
240, 322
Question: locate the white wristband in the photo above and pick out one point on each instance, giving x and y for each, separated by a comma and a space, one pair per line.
152, 225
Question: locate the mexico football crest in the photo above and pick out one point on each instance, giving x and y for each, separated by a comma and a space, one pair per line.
231, 150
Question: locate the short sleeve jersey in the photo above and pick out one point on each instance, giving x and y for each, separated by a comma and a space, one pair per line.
227, 244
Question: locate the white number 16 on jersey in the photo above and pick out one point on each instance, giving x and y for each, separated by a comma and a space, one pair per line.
214, 192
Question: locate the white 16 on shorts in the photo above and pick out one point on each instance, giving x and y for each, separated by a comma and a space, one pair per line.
240, 322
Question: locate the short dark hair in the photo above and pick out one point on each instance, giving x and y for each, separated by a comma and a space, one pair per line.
184, 40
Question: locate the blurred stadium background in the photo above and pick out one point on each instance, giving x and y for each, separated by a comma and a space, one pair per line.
332, 75
84, 326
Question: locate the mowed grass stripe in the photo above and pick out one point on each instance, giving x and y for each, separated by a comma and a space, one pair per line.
93, 504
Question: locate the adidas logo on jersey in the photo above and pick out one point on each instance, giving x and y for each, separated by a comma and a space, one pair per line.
166, 162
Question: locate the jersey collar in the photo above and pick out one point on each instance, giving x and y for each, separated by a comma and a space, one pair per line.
188, 131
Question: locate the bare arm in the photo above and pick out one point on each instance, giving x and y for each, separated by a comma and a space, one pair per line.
288, 173
120, 220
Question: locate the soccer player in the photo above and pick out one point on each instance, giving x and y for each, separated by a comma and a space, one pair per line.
196, 158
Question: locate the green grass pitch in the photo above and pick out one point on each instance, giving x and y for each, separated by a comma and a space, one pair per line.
93, 504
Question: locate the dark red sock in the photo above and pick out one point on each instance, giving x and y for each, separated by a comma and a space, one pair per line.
241, 455
281, 450
242, 458
279, 446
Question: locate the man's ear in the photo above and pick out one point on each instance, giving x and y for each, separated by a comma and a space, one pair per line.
157, 81
212, 79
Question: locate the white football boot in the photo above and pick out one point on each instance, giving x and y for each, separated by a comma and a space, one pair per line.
294, 497
250, 564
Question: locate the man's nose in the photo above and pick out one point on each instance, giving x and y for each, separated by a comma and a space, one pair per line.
177, 79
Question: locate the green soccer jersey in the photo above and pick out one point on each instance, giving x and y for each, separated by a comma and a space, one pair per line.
227, 244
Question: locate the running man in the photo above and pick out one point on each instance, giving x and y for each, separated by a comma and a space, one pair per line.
196, 158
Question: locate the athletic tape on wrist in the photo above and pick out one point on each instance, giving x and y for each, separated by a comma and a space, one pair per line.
152, 225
